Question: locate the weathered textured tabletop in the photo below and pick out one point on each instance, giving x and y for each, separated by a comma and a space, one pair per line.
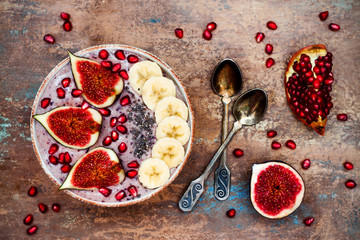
26, 60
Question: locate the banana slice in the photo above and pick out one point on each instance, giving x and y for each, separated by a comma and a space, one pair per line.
169, 150
170, 106
140, 72
155, 89
173, 127
153, 173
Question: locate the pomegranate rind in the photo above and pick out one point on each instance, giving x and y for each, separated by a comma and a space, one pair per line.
256, 170
313, 51
118, 87
96, 116
69, 179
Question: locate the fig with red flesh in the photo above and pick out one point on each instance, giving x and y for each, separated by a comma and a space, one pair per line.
308, 83
276, 189
99, 168
99, 85
72, 127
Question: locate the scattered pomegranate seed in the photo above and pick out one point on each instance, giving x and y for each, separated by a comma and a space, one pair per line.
350, 184
348, 165
131, 173
106, 64
323, 15
259, 37
105, 191
271, 25
120, 195
62, 158
53, 148
133, 164
116, 67
122, 129
334, 27
67, 26
342, 117
290, 144
107, 141
53, 160
275, 145
32, 230
119, 54
65, 16
211, 26
103, 54
132, 59
66, 82
308, 221
238, 152
114, 136
32, 191
28, 219
133, 190
231, 213
269, 48
122, 118
67, 157
125, 101
49, 39
122, 147
105, 112
207, 35
179, 33
124, 74
85, 105
113, 121
66, 168
271, 133
42, 207
76, 93
305, 164
269, 62
45, 102
55, 207
60, 93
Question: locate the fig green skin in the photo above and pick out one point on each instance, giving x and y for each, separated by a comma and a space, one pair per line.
276, 161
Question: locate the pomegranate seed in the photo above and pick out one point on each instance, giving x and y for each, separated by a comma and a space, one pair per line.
179, 33
114, 136
119, 54
67, 26
66, 168
116, 67
105, 112
316, 84
271, 25
53, 148
49, 39
211, 26
106, 64
238, 152
67, 157
342, 117
290, 144
125, 101
62, 158
271, 133
60, 93
122, 118
133, 164
207, 35
133, 190
120, 195
65, 16
269, 62
329, 81
32, 191
305, 164
131, 173
122, 129
124, 74
55, 207
231, 213
28, 219
259, 37
275, 145
308, 221
348, 165
105, 191
334, 27
42, 207
103, 54
269, 48
76, 93
85, 105
132, 59
45, 102
107, 141
350, 184
122, 147
323, 15
32, 230
66, 82
53, 160
113, 122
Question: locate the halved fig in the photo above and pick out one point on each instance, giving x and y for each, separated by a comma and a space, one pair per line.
99, 85
308, 83
276, 189
98, 168
72, 127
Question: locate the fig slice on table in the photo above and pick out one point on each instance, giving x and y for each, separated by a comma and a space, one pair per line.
99, 168
98, 84
72, 127
308, 83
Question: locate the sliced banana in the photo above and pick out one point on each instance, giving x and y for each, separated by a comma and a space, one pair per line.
140, 72
169, 150
173, 127
170, 106
153, 173
155, 89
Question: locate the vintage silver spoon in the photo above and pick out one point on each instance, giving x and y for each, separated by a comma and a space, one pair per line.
226, 81
248, 110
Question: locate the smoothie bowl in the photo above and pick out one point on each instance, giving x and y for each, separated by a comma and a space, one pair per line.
112, 125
